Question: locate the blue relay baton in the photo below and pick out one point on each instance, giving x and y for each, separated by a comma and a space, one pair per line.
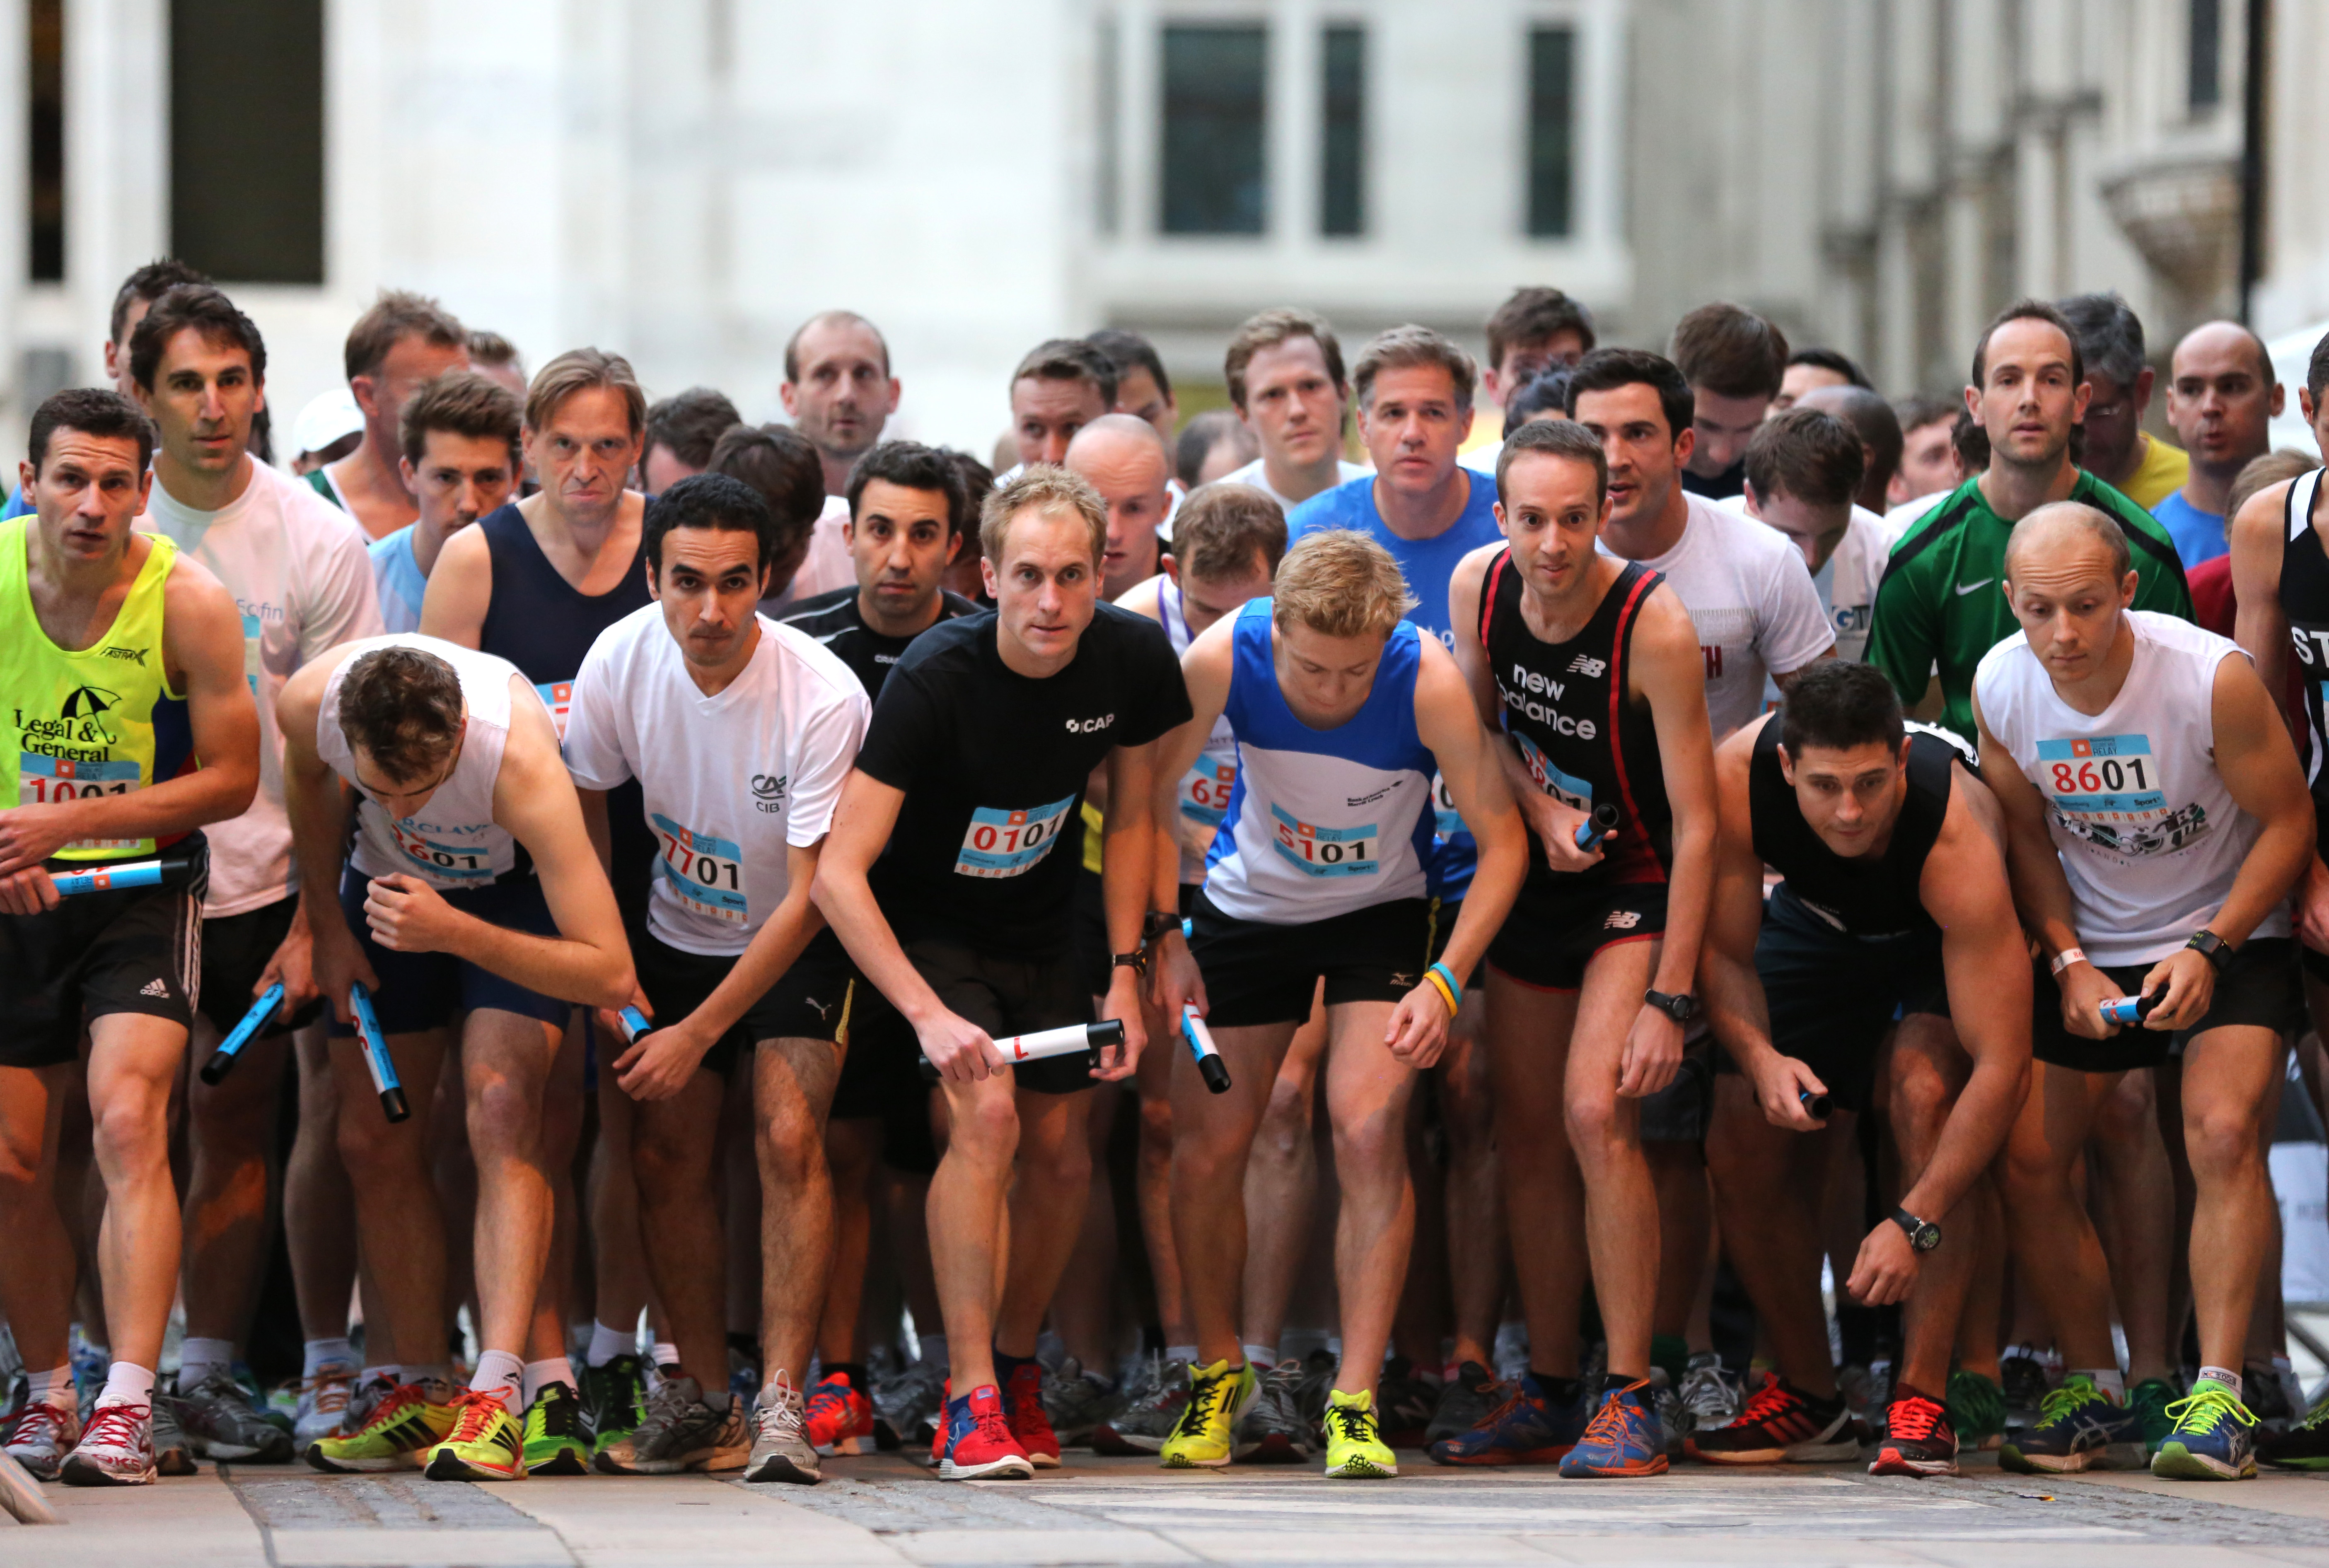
122, 873
252, 1022
1816, 1106
376, 1057
2131, 1009
1210, 1065
1603, 823
634, 1024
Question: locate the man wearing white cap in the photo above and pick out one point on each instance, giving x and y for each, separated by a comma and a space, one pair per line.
326, 430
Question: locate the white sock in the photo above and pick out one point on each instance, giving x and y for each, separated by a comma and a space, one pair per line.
606, 1344
55, 1387
500, 1374
557, 1369
196, 1358
2109, 1379
2230, 1380
1260, 1356
1187, 1353
665, 1353
934, 1349
127, 1382
390, 1371
322, 1353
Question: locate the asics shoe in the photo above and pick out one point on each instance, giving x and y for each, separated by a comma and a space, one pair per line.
1355, 1450
173, 1452
1623, 1439
555, 1444
977, 1442
1529, 1428
680, 1432
2077, 1428
2149, 1399
908, 1404
217, 1413
486, 1443
1781, 1425
1022, 1407
406, 1420
1464, 1403
1976, 1409
1203, 1437
781, 1449
2305, 1446
1074, 1403
614, 1400
323, 1404
115, 1449
1710, 1395
1919, 1439
1405, 1401
1273, 1430
2212, 1442
40, 1435
839, 1418
1152, 1409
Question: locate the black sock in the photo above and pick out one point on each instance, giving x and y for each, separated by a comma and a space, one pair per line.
746, 1345
1556, 1390
1006, 1365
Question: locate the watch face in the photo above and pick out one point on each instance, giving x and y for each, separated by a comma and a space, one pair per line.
1927, 1237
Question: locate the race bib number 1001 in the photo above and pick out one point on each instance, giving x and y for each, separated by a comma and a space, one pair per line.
1327, 851
704, 873
50, 780
1001, 843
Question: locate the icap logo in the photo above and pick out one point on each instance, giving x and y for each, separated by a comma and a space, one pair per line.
1089, 726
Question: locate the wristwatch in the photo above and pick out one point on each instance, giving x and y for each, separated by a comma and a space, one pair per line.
1680, 1006
1136, 962
1157, 923
2212, 947
1924, 1236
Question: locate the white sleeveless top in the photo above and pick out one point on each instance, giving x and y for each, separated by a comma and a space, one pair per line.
1204, 790
2149, 837
453, 841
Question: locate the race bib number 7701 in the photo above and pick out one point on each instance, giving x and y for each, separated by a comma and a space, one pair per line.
1001, 843
704, 872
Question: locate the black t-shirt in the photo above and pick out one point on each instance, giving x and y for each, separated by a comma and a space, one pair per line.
833, 619
993, 765
1730, 482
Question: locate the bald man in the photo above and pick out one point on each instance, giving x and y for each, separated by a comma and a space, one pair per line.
2221, 400
1126, 460
2156, 820
838, 390
1871, 418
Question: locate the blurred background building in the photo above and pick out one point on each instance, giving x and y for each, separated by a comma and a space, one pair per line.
686, 180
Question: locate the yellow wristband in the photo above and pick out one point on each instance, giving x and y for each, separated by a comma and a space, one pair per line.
1439, 985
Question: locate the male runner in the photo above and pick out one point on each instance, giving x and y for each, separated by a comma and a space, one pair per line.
680, 433
979, 751
2118, 450
1589, 667
1813, 370
838, 390
741, 734
1284, 369
1895, 901
1121, 458
1878, 428
130, 727
1061, 386
402, 342
461, 461
298, 572
1536, 330
472, 891
2157, 819
2222, 400
1803, 470
1143, 389
1734, 362
1927, 458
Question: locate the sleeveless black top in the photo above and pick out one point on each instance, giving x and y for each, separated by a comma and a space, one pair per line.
1864, 896
2305, 601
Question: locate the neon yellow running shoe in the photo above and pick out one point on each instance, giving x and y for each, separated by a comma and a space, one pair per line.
1199, 1440
2210, 1441
554, 1444
1355, 1450
486, 1444
408, 1420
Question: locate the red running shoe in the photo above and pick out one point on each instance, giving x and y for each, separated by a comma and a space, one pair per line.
839, 1416
1781, 1425
1918, 1439
1022, 1404
978, 1440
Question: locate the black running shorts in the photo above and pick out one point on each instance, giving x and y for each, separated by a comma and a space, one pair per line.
1546, 941
1011, 996
1261, 973
809, 1001
132, 950
236, 951
2259, 988
428, 991
882, 1081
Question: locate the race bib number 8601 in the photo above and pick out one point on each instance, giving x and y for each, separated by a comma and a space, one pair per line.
1007, 843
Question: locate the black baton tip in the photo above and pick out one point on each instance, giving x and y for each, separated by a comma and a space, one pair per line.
216, 1068
1216, 1073
1106, 1032
392, 1102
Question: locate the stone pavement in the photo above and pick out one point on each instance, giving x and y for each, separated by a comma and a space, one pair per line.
886, 1510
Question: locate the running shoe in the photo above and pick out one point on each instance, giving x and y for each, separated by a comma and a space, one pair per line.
908, 1405
2305, 1446
1673, 1421
2267, 1396
1355, 1450
1075, 1402
1976, 1409
1202, 1440
323, 1404
2210, 1441
1464, 1403
839, 1418
680, 1432
1709, 1394
2149, 1399
1405, 1400
1152, 1409
1781, 1425
406, 1420
1022, 1407
1319, 1370
2077, 1428
1623, 1438
115, 1449
555, 1442
614, 1400
173, 1452
485, 1444
977, 1442
217, 1413
2021, 1381
1273, 1430
1919, 1439
40, 1435
781, 1451
1528, 1428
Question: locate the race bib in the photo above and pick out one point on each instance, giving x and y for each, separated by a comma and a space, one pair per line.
46, 781
1205, 792
1327, 851
1007, 843
1445, 819
447, 861
2107, 791
1573, 792
555, 697
704, 873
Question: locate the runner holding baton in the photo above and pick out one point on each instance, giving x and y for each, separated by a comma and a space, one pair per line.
223, 1059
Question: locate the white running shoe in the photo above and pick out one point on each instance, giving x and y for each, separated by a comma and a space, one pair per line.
40, 1435
781, 1451
323, 1404
115, 1449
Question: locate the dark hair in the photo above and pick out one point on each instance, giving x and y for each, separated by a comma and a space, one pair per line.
1201, 434
1872, 419
1808, 455
463, 403
209, 313
1129, 352
1831, 359
977, 479
490, 348
1412, 347
780, 464
1556, 438
711, 501
1070, 360
689, 423
2029, 310
1219, 530
92, 411
395, 315
1546, 391
2108, 333
1533, 315
830, 318
911, 466
1916, 411
2316, 372
149, 283
1730, 352
1970, 442
1840, 705
1266, 330
402, 706
1606, 370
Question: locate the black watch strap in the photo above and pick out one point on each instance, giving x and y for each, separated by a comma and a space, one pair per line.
2212, 947
1137, 961
1923, 1234
1157, 923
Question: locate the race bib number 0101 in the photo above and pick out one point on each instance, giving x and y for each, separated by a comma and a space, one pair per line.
1327, 851
43, 781
2108, 791
704, 873
1007, 843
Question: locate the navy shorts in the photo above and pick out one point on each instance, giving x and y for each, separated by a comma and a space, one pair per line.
428, 991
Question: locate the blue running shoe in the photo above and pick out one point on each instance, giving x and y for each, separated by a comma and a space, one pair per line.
2077, 1428
1528, 1429
2210, 1441
1625, 1438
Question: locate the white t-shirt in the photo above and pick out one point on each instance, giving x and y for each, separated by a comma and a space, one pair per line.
1483, 459
729, 781
1751, 599
1257, 474
1905, 516
300, 573
1847, 581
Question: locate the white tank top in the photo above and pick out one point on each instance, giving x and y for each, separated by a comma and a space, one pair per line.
452, 841
2149, 837
1206, 787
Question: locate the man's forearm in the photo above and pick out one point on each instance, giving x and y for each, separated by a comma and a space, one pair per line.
555, 966
1736, 1014
847, 903
2276, 862
773, 949
175, 806
1495, 883
1688, 893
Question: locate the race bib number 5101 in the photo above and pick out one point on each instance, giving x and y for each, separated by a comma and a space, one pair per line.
1327, 851
1007, 843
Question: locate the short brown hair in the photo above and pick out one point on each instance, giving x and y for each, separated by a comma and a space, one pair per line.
579, 370
1556, 438
778, 462
1730, 352
1808, 455
463, 403
210, 313
1403, 347
1271, 328
1916, 411
688, 424
395, 315
402, 706
1041, 487
1070, 360
490, 348
1340, 583
1221, 529
1534, 316
2028, 310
